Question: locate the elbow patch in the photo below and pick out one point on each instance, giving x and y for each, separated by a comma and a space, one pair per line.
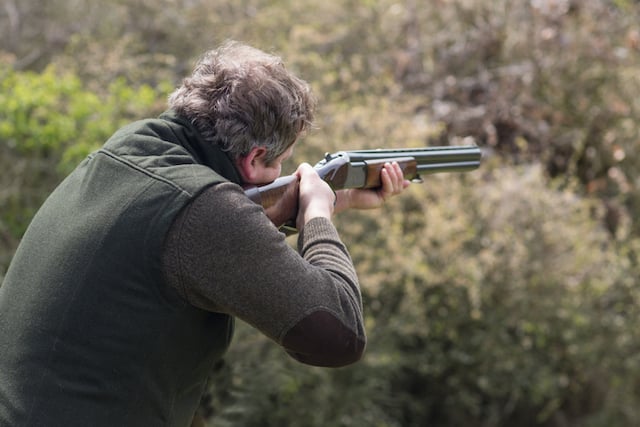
321, 339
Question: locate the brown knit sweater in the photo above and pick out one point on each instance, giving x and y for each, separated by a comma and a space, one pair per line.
223, 254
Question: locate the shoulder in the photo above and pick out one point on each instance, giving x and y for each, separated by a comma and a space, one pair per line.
225, 208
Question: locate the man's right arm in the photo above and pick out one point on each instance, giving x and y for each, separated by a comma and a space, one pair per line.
223, 254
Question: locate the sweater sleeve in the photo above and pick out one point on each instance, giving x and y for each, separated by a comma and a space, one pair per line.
223, 254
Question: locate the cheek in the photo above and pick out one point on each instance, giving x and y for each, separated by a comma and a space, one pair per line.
268, 175
275, 171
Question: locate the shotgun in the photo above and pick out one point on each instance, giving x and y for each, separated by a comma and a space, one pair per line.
361, 169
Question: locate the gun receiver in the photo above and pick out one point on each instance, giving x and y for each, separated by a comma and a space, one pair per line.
361, 169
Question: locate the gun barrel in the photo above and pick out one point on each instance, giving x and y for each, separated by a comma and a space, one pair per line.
448, 167
428, 159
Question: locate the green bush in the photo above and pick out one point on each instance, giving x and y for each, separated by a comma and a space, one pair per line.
491, 300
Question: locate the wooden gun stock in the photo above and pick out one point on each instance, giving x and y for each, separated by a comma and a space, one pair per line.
279, 199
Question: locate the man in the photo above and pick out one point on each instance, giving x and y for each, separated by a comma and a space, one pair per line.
125, 286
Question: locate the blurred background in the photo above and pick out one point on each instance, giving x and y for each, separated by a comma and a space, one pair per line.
507, 296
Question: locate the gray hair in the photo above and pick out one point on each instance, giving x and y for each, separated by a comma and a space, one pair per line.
240, 97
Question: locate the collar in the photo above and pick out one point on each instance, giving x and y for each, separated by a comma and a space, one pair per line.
211, 155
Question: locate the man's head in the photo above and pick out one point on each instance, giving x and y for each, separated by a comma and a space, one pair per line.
244, 99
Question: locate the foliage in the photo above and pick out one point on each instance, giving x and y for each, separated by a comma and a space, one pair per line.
486, 306
506, 296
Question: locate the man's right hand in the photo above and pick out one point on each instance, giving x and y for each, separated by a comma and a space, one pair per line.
315, 197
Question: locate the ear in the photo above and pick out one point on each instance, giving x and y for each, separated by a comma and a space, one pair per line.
251, 165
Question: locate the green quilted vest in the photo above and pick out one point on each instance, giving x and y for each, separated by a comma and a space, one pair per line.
90, 334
